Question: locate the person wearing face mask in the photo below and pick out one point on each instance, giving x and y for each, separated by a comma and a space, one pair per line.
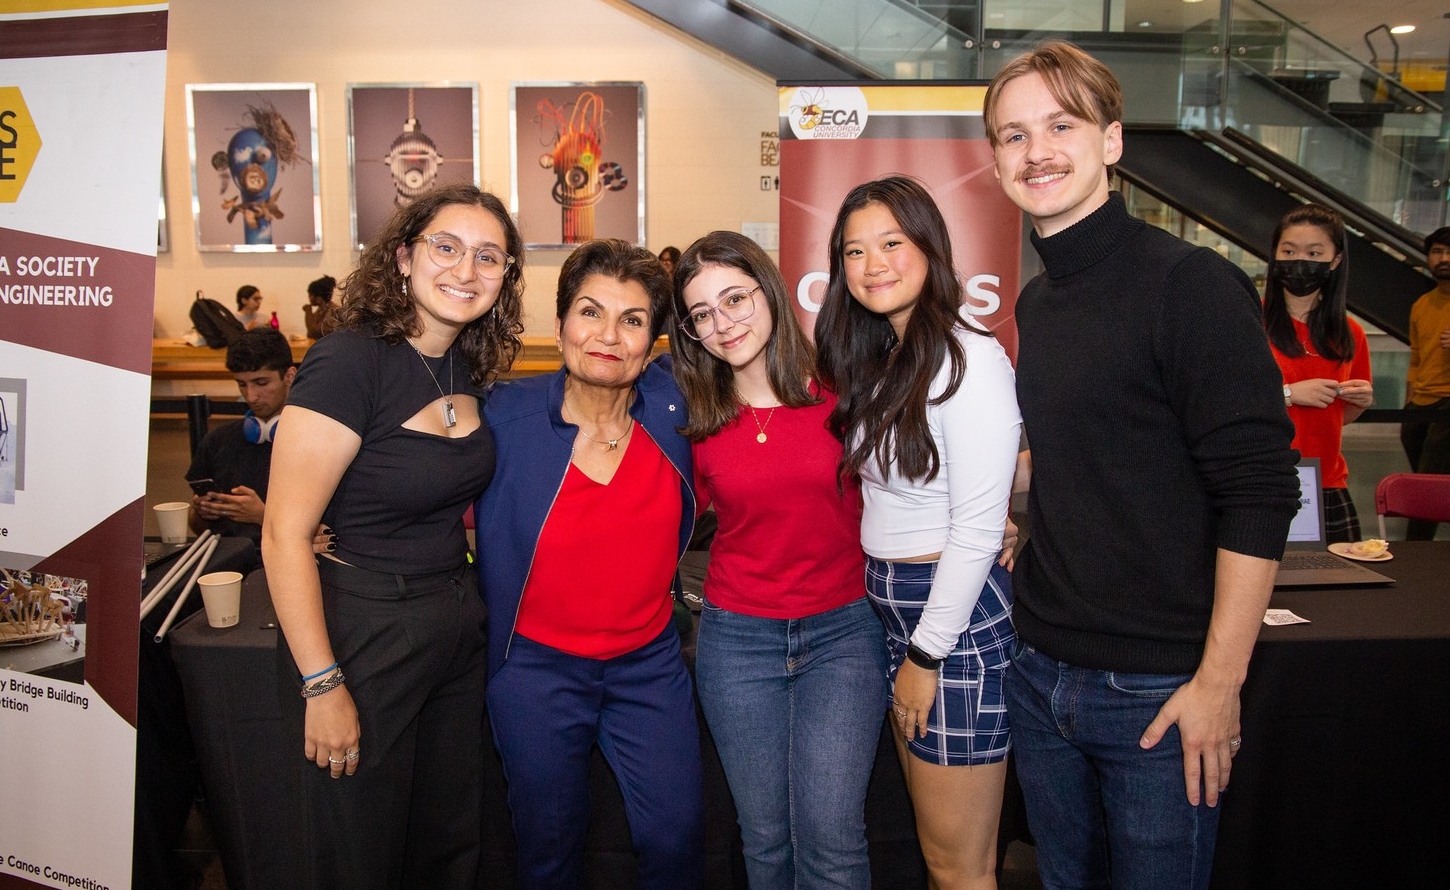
1321, 351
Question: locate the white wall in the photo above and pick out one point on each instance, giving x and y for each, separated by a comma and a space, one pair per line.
705, 112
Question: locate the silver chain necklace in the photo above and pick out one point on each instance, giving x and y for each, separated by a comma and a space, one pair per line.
449, 419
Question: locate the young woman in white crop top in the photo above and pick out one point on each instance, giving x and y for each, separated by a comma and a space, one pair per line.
928, 414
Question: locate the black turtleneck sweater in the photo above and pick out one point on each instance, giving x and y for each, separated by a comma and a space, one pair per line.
1156, 419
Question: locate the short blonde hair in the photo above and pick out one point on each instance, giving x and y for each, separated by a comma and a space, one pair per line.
1082, 85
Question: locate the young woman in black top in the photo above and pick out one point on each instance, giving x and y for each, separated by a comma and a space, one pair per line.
382, 440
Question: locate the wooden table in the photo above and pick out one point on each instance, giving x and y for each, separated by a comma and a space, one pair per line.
175, 359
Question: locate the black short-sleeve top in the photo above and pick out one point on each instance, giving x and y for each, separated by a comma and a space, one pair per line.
399, 506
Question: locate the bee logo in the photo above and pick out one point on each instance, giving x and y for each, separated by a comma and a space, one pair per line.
811, 109
825, 112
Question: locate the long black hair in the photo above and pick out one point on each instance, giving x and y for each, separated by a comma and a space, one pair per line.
884, 386
1328, 327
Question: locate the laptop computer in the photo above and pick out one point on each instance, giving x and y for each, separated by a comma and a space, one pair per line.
1306, 563
156, 551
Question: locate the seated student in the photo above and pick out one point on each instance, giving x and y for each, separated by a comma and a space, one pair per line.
238, 454
318, 313
249, 307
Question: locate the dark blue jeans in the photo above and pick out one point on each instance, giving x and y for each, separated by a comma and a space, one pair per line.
1105, 813
795, 707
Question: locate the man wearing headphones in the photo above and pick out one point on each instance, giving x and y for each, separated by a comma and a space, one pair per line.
236, 457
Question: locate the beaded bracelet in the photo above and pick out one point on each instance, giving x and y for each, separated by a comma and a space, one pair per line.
324, 686
327, 670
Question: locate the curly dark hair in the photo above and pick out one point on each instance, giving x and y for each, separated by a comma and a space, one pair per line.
374, 300
884, 385
709, 383
622, 261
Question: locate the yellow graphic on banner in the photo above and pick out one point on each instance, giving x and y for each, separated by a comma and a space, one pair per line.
101, 7
19, 144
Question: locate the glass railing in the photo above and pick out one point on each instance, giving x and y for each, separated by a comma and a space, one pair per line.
1205, 65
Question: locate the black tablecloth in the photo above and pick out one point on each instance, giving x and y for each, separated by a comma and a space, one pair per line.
166, 774
1336, 784
1341, 781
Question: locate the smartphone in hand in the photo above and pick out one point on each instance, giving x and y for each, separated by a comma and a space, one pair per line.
204, 487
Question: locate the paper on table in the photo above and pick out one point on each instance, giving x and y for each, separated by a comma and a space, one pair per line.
1274, 617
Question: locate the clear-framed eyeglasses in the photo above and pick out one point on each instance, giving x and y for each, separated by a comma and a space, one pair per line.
447, 251
735, 305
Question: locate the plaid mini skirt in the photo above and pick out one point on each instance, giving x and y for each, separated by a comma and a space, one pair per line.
968, 721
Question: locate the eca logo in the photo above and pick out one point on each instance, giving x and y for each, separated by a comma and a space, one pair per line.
19, 144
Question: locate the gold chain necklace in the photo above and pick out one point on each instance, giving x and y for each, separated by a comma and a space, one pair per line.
450, 420
609, 444
760, 427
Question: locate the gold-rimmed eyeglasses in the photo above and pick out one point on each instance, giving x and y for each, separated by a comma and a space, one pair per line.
735, 305
447, 251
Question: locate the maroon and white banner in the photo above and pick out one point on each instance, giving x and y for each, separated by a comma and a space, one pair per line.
833, 138
81, 101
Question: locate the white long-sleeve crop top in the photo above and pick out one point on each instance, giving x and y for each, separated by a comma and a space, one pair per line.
961, 513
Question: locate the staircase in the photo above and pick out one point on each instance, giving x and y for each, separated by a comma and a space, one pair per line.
1234, 113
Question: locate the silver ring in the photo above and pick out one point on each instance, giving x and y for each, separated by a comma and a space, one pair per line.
1235, 742
899, 712
351, 755
335, 762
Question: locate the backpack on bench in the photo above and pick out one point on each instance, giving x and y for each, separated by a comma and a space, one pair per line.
217, 326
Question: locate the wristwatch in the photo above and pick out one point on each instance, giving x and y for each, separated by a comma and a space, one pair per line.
1288, 396
919, 658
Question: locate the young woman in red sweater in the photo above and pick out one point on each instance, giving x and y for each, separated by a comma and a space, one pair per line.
791, 665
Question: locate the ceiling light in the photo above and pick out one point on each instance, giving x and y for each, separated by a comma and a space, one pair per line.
1402, 29
1145, 24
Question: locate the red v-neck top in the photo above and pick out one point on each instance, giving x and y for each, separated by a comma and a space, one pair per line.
600, 582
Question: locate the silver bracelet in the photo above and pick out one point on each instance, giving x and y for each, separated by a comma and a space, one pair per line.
325, 685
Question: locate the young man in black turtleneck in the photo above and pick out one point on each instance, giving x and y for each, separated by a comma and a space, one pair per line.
1163, 484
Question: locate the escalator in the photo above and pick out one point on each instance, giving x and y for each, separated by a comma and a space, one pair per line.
1240, 190
1233, 117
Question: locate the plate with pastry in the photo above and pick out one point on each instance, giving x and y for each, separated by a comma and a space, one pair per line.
1370, 550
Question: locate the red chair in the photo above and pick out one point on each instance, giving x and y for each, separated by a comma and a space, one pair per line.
1413, 496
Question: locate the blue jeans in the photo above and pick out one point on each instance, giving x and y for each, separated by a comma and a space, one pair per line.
1104, 812
795, 707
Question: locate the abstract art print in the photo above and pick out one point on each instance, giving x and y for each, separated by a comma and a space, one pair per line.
254, 167
578, 162
405, 138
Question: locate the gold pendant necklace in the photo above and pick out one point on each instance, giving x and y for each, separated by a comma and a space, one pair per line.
450, 420
609, 444
760, 427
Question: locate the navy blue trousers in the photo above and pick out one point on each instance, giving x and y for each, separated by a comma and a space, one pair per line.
549, 709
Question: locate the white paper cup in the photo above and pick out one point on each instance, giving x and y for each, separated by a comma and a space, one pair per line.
172, 516
221, 594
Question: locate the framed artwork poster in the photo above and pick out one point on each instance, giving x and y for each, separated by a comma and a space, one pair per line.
578, 162
403, 139
254, 167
